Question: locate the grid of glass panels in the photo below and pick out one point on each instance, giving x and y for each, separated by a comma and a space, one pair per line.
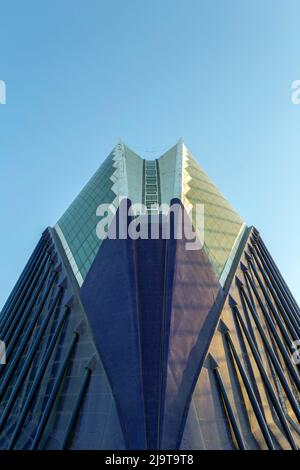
134, 172
222, 224
79, 222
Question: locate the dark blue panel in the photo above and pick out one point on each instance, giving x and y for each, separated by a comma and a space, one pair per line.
194, 298
109, 295
152, 307
151, 279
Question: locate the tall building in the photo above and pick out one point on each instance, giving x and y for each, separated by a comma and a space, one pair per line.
141, 343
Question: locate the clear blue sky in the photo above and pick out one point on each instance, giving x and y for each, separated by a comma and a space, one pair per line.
82, 73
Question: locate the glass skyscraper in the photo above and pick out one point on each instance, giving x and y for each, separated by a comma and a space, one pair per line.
142, 344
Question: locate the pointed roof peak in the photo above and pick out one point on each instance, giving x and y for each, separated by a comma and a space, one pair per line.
179, 146
180, 142
177, 175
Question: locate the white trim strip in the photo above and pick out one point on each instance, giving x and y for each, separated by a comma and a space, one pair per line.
69, 254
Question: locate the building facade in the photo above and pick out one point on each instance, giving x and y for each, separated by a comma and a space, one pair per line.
140, 343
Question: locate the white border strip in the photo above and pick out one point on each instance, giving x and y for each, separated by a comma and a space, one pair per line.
69, 254
232, 254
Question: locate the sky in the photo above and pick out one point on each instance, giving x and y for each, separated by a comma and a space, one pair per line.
80, 74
